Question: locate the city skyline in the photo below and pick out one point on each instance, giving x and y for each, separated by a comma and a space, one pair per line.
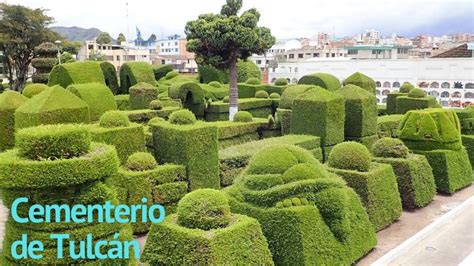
340, 17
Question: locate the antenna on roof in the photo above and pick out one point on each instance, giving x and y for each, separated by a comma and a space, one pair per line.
126, 14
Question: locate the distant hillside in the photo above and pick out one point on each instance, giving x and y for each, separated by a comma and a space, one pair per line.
77, 33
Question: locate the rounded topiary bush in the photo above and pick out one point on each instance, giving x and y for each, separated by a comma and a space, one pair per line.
390, 148
225, 99
253, 81
281, 82
156, 120
33, 89
52, 142
171, 75
243, 116
351, 156
114, 119
140, 161
204, 209
261, 94
417, 93
304, 171
274, 95
156, 105
406, 87
215, 84
182, 117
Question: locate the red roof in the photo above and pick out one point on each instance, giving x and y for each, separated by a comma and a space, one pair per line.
457, 52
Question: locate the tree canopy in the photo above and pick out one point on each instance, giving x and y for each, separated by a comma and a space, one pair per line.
104, 38
121, 38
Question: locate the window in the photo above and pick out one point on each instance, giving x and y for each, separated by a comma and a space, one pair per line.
353, 52
176, 43
118, 58
175, 49
162, 44
291, 56
90, 47
376, 52
300, 55
259, 62
327, 54
333, 55
315, 54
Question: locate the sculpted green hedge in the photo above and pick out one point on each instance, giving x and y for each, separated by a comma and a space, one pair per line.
33, 89
9, 102
110, 76
132, 73
141, 95
245, 70
98, 97
323, 80
76, 73
362, 81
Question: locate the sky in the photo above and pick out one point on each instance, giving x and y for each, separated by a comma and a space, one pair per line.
286, 18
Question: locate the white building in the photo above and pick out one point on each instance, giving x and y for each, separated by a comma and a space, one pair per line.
451, 80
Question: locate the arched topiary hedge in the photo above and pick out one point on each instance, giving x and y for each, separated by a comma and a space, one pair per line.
76, 73
245, 70
110, 76
133, 72
362, 81
191, 96
161, 70
324, 80
99, 98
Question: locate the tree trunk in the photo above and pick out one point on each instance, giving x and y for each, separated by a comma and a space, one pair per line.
233, 92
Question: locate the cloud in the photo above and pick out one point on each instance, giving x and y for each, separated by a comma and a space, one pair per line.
286, 18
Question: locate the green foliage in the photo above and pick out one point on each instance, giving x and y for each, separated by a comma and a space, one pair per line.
415, 179
361, 81
390, 148
132, 73
319, 112
416, 93
392, 102
191, 95
261, 94
387, 125
9, 102
243, 116
33, 89
67, 58
246, 69
226, 99
98, 97
350, 156
52, 142
113, 119
253, 81
182, 117
291, 93
205, 209
323, 80
104, 38
55, 105
407, 103
194, 146
156, 105
406, 87
141, 95
378, 191
140, 161
121, 38
76, 73
171, 74
162, 70
468, 142
361, 111
281, 82
431, 129
215, 84
259, 108
110, 76
274, 95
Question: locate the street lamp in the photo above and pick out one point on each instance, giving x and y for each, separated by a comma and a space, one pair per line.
58, 43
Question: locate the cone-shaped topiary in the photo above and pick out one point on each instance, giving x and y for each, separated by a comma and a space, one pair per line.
261, 94
416, 93
390, 148
406, 87
351, 156
33, 89
182, 117
281, 82
156, 105
204, 209
140, 161
362, 81
112, 119
253, 81
243, 116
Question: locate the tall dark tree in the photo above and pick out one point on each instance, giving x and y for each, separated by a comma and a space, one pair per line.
152, 38
121, 38
104, 38
222, 39
21, 30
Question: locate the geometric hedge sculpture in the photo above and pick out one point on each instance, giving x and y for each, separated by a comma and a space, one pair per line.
436, 133
55, 105
387, 125
415, 100
76, 73
141, 94
46, 58
362, 81
309, 216
160, 184
9, 102
468, 142
182, 140
161, 70
132, 73
98, 96
191, 95
115, 129
110, 76
205, 232
375, 183
392, 101
414, 174
323, 80
66, 180
33, 89
283, 112
319, 112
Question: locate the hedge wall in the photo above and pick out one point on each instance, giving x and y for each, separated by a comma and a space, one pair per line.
307, 215
98, 97
9, 102
387, 125
362, 81
110, 76
122, 101
323, 80
406, 103
191, 96
132, 73
259, 108
161, 70
195, 146
141, 95
33, 89
53, 106
319, 112
392, 102
232, 133
76, 73
468, 142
